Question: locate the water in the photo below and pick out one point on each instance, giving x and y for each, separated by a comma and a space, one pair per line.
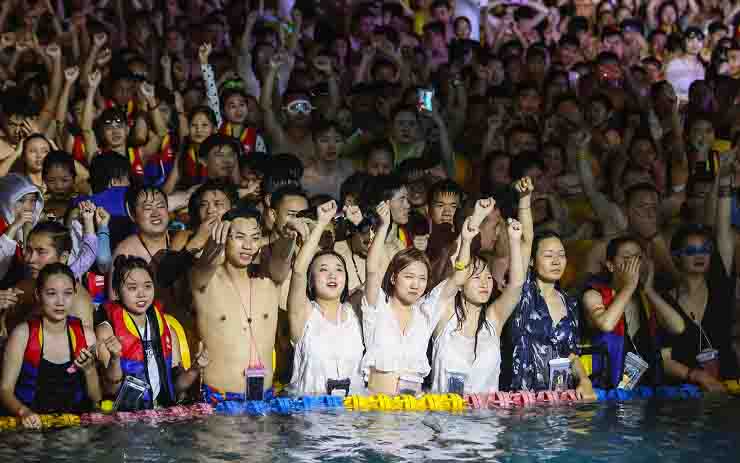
689, 431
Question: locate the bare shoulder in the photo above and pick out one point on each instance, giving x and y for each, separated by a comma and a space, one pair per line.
129, 246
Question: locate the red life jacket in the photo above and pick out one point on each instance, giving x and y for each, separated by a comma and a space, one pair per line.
137, 165
607, 296
78, 150
18, 250
25, 388
194, 169
248, 137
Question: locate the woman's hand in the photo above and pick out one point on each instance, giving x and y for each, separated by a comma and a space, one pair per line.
585, 391
514, 230
32, 421
524, 187
706, 381
85, 361
384, 213
327, 212
113, 345
470, 229
102, 217
204, 52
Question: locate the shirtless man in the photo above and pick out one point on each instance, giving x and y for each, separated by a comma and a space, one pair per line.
295, 135
236, 309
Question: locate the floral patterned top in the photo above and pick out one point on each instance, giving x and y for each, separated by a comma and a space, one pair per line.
536, 340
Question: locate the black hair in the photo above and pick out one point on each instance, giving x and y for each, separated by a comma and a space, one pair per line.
57, 268
613, 247
353, 185
285, 191
524, 161
58, 233
58, 158
206, 111
479, 265
630, 192
681, 236
135, 192
321, 125
445, 186
106, 167
382, 188
311, 291
211, 185
243, 212
285, 165
108, 114
123, 265
539, 237
216, 140
418, 224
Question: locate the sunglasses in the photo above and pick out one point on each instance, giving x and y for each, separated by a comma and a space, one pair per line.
703, 250
299, 107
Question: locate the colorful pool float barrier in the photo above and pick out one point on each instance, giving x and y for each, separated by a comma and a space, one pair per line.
279, 405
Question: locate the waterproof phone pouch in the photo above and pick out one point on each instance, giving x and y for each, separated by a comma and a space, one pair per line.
456, 382
338, 387
560, 374
410, 385
634, 368
130, 395
255, 383
708, 360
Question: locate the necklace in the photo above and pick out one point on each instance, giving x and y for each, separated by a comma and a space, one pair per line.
146, 248
354, 263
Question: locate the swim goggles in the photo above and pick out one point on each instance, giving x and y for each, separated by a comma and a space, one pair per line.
299, 107
114, 122
703, 250
233, 84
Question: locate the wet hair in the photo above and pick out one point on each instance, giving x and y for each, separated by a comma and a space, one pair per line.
403, 108
615, 244
135, 192
525, 161
230, 92
479, 264
123, 265
34, 136
58, 233
206, 111
106, 115
285, 165
211, 185
288, 190
321, 126
399, 262
639, 188
51, 270
539, 237
58, 158
354, 185
106, 167
311, 290
445, 186
382, 188
681, 236
418, 225
243, 211
216, 140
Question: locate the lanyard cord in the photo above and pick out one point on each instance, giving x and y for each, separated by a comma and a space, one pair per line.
248, 313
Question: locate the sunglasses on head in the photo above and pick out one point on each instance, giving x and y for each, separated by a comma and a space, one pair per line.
299, 107
703, 250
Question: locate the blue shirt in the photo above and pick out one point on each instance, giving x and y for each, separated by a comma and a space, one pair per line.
112, 200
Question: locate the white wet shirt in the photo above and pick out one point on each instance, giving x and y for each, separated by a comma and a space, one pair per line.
327, 350
453, 354
388, 350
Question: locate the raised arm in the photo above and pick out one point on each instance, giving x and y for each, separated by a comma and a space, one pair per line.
504, 305
445, 145
154, 143
70, 77
213, 256
725, 234
374, 268
524, 187
667, 316
210, 80
299, 307
272, 121
603, 317
88, 114
54, 52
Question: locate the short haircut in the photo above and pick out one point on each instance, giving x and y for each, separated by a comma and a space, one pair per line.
353, 185
615, 244
288, 190
106, 167
211, 185
639, 188
217, 140
243, 212
135, 192
58, 158
445, 186
382, 188
525, 161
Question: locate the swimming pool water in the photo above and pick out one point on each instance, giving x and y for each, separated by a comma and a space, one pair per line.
637, 431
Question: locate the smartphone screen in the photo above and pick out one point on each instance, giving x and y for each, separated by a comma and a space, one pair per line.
424, 100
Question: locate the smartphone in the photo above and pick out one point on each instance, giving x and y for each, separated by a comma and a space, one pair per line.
424, 99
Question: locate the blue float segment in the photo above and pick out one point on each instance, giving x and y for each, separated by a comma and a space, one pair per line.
279, 406
685, 391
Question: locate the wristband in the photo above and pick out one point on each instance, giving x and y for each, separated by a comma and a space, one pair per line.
460, 266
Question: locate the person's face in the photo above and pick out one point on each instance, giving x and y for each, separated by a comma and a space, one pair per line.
612, 140
123, 91
462, 30
151, 214
521, 142
417, 192
702, 135
654, 73
328, 277
59, 180
569, 55
550, 260
14, 129
141, 32
236, 109
288, 208
341, 48
607, 19
40, 252
115, 134
410, 283
34, 153
696, 200
614, 44
642, 210
137, 291
694, 45
56, 297
500, 172
529, 102
696, 256
329, 144
379, 163
626, 251
668, 16
643, 154
716, 36
733, 61
443, 208
221, 162
243, 244
400, 206
479, 287
200, 128
405, 127
441, 14
598, 113
213, 205
552, 156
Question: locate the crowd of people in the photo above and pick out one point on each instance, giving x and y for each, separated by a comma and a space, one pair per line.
230, 199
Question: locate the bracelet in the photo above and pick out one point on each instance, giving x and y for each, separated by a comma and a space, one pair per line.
460, 266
